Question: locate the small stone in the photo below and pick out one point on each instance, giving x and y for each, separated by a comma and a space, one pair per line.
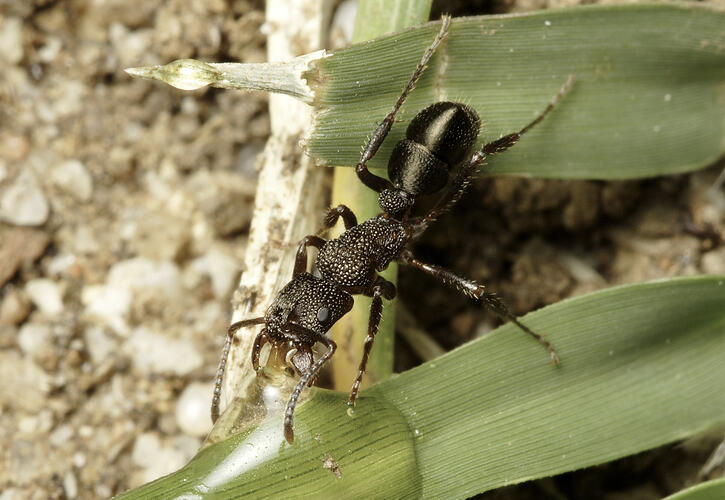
192, 409
109, 304
156, 459
46, 295
24, 385
61, 435
35, 339
344, 21
11, 39
73, 178
13, 147
221, 268
20, 245
713, 262
14, 308
70, 485
154, 353
142, 274
23, 203
100, 346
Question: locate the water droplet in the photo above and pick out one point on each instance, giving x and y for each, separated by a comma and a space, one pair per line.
416, 432
668, 97
656, 128
350, 411
547, 23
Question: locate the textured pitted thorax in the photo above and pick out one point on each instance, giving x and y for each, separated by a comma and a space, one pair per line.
311, 302
353, 257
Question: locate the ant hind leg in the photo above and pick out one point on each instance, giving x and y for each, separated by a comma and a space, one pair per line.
478, 292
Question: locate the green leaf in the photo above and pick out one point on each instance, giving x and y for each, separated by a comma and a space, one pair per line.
649, 97
641, 366
710, 490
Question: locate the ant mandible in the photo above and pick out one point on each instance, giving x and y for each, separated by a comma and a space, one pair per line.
438, 139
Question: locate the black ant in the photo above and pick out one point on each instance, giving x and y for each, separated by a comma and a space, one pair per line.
437, 139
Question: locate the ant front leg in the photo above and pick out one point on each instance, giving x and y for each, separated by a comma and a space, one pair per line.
348, 218
301, 257
478, 292
305, 380
225, 355
371, 180
381, 288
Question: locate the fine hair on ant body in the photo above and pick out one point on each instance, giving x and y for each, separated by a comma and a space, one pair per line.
438, 139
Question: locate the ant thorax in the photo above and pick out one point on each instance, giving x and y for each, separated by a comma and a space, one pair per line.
353, 259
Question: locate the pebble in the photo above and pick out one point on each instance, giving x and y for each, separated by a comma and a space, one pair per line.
108, 304
73, 178
713, 262
344, 19
70, 485
11, 39
20, 246
13, 147
35, 339
221, 268
61, 435
23, 203
154, 353
192, 409
99, 344
155, 458
111, 302
141, 274
24, 385
14, 308
46, 295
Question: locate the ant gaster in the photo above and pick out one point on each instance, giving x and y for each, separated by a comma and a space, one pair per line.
438, 139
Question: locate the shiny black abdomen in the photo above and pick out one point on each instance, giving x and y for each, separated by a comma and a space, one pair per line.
437, 139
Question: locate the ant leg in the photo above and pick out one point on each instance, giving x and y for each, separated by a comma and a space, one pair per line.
292, 403
505, 142
259, 342
301, 257
463, 178
223, 362
478, 292
348, 218
371, 180
381, 288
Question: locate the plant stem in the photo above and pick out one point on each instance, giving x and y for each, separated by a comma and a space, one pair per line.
374, 18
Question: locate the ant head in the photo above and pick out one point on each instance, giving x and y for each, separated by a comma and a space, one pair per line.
395, 201
319, 304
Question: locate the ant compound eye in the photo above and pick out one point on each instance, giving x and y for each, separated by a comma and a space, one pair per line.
323, 314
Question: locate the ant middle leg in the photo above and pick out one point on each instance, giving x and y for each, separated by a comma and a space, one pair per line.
223, 361
478, 292
382, 288
371, 180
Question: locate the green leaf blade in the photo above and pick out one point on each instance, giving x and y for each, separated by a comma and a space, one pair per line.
641, 365
649, 97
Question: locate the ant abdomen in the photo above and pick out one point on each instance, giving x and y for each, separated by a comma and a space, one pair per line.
437, 139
